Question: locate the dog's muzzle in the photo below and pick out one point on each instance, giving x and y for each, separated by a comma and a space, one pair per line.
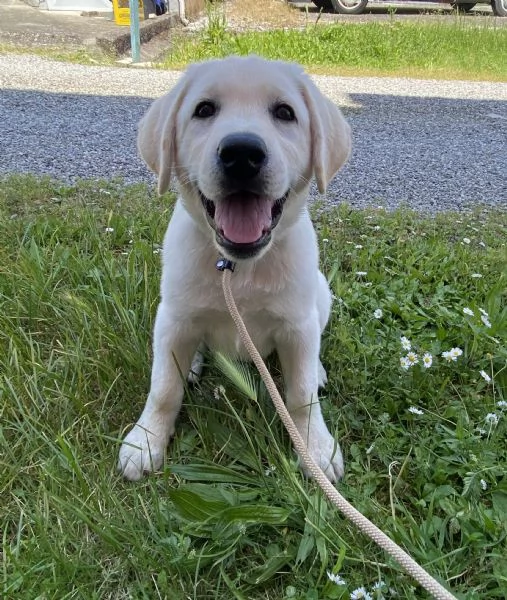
244, 216
243, 221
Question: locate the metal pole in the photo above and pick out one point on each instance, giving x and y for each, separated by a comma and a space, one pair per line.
135, 38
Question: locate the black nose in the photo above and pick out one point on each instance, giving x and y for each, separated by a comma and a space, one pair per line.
242, 155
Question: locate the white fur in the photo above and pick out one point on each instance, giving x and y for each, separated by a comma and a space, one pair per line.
281, 294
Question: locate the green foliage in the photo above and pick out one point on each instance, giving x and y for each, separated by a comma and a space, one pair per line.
441, 49
231, 515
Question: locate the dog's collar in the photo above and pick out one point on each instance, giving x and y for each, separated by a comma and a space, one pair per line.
225, 263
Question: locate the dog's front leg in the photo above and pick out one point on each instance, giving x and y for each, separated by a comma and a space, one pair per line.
298, 349
174, 345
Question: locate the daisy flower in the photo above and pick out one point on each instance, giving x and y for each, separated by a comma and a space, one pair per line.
502, 404
361, 273
378, 313
109, 229
466, 240
404, 363
476, 275
415, 411
452, 354
335, 578
412, 358
427, 360
405, 343
468, 311
358, 247
492, 419
485, 376
378, 586
484, 485
485, 321
360, 594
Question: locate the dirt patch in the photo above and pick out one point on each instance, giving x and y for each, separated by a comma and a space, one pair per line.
245, 14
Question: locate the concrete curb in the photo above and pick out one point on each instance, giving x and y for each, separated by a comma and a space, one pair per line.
119, 43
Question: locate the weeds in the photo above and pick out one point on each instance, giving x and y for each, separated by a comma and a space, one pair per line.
442, 50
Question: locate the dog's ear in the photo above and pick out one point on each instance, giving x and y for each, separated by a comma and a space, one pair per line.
156, 137
330, 134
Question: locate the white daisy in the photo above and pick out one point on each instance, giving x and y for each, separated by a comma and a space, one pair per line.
476, 275
427, 360
405, 343
404, 364
358, 247
483, 312
485, 321
492, 419
378, 313
361, 273
335, 578
452, 354
466, 240
468, 311
360, 594
415, 411
485, 376
412, 358
109, 229
502, 404
484, 485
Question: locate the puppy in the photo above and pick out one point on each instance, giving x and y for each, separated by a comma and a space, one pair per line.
243, 138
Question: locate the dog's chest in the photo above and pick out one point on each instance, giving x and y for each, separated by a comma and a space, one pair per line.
221, 334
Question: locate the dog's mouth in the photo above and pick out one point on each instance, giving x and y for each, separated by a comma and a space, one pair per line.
243, 221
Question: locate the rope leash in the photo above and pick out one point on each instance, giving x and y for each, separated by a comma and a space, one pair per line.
367, 527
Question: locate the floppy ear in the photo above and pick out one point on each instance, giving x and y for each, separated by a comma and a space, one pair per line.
330, 134
156, 137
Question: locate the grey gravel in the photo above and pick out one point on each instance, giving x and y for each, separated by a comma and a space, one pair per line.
430, 145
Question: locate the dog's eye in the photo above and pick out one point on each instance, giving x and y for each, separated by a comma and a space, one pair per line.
205, 110
284, 112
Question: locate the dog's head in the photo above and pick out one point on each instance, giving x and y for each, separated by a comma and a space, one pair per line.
244, 136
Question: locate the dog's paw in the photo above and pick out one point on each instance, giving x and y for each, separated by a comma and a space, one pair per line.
325, 451
141, 452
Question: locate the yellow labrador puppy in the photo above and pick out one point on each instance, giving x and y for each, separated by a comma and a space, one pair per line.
243, 138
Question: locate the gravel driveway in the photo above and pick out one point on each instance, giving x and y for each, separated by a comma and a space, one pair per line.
433, 145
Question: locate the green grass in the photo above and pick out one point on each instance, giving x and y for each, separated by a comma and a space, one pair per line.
231, 516
447, 50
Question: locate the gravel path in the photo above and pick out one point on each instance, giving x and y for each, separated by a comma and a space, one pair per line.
433, 145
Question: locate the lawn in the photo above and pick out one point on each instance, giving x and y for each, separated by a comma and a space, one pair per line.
231, 516
454, 48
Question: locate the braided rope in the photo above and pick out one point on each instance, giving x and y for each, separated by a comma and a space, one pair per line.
361, 522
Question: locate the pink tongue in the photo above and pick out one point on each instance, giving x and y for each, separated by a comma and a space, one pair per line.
243, 217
